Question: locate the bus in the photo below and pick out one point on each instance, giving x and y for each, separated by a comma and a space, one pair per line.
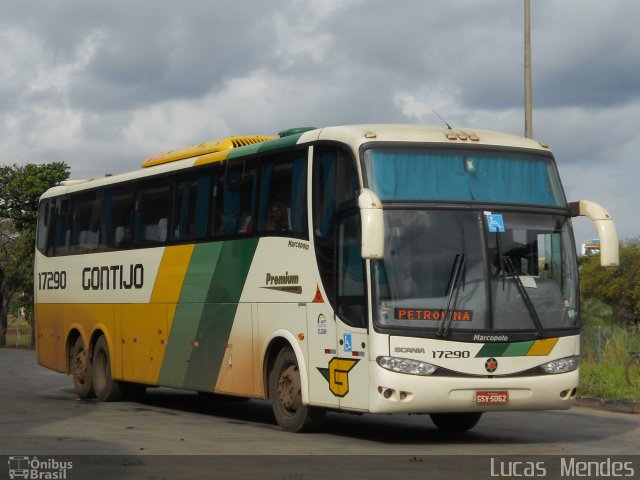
363, 268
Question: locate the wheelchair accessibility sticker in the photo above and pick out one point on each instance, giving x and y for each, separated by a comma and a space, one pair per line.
495, 223
348, 344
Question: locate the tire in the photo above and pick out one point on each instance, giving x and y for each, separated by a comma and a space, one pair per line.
107, 389
80, 368
455, 422
286, 396
632, 372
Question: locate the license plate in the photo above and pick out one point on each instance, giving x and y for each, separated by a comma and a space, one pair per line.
492, 397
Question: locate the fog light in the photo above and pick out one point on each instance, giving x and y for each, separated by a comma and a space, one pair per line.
403, 395
387, 393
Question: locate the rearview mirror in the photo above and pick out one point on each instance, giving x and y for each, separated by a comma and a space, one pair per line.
372, 221
609, 247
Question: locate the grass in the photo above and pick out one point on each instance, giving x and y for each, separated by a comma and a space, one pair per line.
15, 326
603, 358
606, 382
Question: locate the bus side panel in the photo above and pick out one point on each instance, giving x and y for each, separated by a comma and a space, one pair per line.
205, 315
236, 372
209, 347
50, 345
144, 333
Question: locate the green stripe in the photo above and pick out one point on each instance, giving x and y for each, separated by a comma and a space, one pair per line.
183, 331
213, 333
264, 147
189, 313
492, 350
205, 312
242, 151
519, 349
231, 271
283, 142
201, 269
218, 315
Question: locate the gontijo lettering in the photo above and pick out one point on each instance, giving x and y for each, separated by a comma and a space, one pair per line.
113, 277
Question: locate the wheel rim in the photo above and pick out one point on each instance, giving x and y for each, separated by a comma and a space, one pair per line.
289, 389
80, 363
79, 366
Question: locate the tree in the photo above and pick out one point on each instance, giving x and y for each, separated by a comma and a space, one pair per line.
617, 287
20, 191
595, 313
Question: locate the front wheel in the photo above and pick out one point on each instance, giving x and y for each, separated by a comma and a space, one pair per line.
455, 422
107, 389
285, 393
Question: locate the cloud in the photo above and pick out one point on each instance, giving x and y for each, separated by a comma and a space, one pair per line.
104, 85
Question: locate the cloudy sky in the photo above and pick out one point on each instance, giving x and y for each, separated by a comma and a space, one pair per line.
103, 85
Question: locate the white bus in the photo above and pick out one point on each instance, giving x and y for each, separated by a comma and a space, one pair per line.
365, 268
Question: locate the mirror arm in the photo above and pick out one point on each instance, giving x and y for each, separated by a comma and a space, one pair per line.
609, 246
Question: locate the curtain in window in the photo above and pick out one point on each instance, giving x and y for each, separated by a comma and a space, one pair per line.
458, 177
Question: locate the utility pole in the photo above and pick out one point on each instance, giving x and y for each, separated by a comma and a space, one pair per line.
528, 117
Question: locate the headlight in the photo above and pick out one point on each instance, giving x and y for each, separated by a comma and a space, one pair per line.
406, 365
563, 365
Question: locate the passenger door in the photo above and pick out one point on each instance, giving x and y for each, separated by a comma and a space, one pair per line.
351, 371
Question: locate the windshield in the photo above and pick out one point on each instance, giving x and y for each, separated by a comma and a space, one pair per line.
419, 174
448, 271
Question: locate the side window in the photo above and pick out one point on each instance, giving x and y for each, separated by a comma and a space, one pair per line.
86, 219
350, 266
191, 206
62, 227
217, 201
119, 203
45, 219
151, 218
239, 188
335, 185
282, 205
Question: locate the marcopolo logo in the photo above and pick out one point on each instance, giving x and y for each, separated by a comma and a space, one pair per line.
38, 469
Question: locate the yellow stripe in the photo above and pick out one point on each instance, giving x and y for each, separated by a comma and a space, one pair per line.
212, 158
543, 347
171, 274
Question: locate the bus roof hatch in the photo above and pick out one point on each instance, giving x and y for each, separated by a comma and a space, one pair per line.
212, 146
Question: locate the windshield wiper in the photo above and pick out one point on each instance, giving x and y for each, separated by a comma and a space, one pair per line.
511, 270
457, 274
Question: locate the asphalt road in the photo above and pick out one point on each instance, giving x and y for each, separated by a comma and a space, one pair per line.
177, 434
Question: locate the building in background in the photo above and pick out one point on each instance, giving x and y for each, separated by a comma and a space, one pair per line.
591, 248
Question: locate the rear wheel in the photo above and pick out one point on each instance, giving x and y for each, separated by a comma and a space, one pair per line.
107, 389
285, 393
455, 422
80, 368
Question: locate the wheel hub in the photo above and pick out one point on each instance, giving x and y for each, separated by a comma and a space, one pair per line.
79, 366
289, 388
